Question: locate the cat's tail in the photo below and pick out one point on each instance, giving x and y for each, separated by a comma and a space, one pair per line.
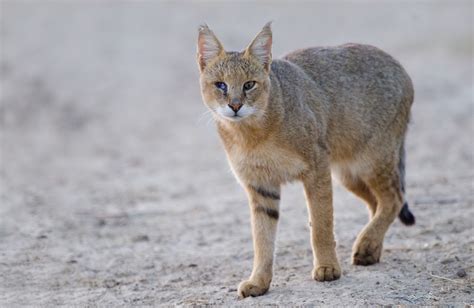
405, 215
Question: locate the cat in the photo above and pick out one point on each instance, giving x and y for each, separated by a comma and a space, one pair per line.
317, 111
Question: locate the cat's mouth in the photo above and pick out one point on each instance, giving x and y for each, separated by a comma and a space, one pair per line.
234, 118
230, 115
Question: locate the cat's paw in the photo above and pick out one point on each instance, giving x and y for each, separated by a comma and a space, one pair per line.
251, 288
326, 272
366, 251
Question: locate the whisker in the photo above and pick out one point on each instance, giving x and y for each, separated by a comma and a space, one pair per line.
204, 115
210, 119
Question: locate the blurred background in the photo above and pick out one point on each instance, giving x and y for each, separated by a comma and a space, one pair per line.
114, 187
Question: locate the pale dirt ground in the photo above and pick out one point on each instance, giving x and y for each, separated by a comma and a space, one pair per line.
115, 189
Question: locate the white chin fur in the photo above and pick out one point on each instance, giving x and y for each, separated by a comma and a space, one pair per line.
225, 112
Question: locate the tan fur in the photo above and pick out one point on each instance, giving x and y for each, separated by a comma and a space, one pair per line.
343, 109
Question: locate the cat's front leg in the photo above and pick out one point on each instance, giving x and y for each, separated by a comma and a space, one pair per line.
318, 191
264, 208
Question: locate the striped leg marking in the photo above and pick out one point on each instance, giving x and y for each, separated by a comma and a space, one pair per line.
265, 193
270, 212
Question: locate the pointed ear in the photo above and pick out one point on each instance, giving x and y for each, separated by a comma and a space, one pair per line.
261, 47
208, 46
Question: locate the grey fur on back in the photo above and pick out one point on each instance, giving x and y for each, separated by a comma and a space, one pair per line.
358, 86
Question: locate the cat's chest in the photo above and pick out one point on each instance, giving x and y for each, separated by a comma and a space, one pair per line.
266, 163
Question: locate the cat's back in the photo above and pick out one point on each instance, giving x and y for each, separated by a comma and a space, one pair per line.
366, 92
354, 70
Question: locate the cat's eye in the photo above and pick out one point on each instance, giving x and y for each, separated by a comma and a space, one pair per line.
221, 86
249, 85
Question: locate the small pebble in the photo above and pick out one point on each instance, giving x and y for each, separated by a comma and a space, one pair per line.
110, 283
231, 290
192, 265
447, 260
141, 238
461, 273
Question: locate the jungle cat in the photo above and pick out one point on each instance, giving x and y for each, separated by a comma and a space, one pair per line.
318, 111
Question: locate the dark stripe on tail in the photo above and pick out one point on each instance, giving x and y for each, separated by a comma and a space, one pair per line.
266, 193
405, 215
270, 212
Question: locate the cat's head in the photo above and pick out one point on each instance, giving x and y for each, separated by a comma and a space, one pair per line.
235, 86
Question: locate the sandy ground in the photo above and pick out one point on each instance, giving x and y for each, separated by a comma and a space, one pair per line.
115, 189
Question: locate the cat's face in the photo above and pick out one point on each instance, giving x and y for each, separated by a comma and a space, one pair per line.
235, 85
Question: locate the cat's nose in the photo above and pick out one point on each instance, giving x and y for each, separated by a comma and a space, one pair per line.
235, 104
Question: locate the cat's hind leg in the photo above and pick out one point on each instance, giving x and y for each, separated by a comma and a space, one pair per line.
384, 183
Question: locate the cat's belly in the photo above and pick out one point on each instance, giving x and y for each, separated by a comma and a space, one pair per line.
265, 165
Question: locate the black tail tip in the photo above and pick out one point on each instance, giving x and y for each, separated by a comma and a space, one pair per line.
406, 216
